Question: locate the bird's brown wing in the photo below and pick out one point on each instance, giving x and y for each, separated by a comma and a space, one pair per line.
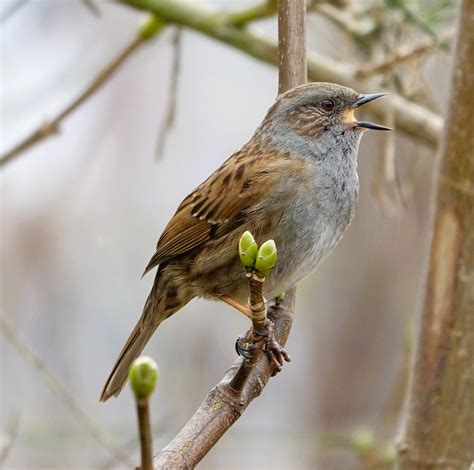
214, 207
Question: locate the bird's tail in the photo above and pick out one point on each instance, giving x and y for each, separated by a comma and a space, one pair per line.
135, 344
157, 308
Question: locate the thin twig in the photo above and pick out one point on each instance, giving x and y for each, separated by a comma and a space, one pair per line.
259, 11
52, 127
11, 10
400, 56
92, 7
62, 392
345, 21
12, 429
172, 96
146, 448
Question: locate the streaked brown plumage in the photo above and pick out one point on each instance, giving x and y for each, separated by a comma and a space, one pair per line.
295, 181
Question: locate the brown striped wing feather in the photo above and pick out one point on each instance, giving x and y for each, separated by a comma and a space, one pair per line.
229, 193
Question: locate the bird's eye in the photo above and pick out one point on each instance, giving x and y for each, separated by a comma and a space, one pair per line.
327, 105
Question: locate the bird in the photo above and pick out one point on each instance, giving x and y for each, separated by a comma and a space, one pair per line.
295, 181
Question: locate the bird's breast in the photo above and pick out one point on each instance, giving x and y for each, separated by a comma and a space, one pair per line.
313, 222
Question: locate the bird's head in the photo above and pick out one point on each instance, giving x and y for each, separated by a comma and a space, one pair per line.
319, 112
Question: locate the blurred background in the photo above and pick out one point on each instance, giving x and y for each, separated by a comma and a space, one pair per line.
81, 213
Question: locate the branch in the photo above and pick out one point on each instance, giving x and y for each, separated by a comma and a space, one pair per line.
12, 435
401, 56
170, 113
440, 421
58, 388
52, 127
10, 10
412, 119
223, 405
259, 11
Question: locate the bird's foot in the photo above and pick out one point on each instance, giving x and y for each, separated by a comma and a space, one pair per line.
247, 345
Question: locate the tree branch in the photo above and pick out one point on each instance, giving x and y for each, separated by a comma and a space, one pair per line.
412, 119
52, 127
440, 420
259, 11
401, 56
170, 113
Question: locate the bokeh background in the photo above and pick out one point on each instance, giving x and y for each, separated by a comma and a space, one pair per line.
81, 213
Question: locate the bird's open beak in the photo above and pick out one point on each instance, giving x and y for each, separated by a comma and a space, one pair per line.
363, 99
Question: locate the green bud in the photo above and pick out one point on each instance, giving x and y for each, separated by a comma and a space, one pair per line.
152, 26
143, 375
248, 250
266, 257
363, 441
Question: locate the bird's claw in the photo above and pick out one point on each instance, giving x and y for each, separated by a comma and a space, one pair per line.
277, 355
275, 352
245, 347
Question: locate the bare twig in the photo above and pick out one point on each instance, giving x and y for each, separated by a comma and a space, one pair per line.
11, 10
172, 96
52, 127
61, 391
400, 56
12, 429
143, 413
345, 21
259, 11
92, 7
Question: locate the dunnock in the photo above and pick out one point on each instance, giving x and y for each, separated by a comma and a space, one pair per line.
295, 181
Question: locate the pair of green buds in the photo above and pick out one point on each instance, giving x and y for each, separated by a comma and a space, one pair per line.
262, 259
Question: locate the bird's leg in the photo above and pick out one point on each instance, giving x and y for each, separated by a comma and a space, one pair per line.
261, 335
237, 305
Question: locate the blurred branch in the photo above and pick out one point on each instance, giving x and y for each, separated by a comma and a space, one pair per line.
399, 57
12, 433
359, 30
52, 127
439, 424
259, 11
57, 387
362, 443
410, 118
92, 7
172, 95
245, 380
11, 10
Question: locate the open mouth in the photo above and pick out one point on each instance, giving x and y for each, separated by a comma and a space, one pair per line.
363, 99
